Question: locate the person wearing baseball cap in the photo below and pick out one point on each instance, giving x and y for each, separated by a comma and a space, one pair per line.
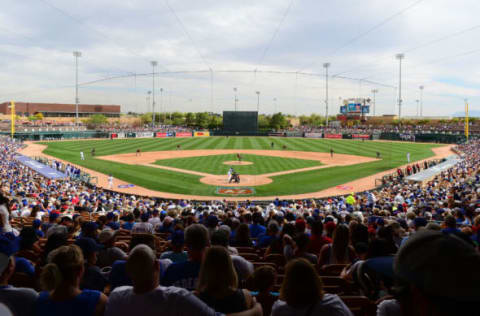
437, 274
110, 253
20, 301
92, 277
177, 253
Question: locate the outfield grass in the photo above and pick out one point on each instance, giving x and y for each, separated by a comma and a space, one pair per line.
215, 164
393, 154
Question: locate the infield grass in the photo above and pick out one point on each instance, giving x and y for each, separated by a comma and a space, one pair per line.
393, 154
260, 164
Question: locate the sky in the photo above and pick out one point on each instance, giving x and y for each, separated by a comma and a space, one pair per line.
205, 49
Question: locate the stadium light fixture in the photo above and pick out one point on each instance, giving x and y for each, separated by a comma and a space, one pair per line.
153, 63
235, 100
148, 99
326, 66
400, 57
77, 55
418, 109
161, 103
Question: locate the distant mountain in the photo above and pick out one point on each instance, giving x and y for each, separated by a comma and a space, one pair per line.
472, 113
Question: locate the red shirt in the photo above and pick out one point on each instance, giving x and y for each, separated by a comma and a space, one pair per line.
317, 242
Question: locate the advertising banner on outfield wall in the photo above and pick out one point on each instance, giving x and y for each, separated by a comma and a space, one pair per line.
144, 134
294, 134
121, 135
113, 135
364, 136
163, 135
333, 136
201, 134
276, 134
314, 135
183, 134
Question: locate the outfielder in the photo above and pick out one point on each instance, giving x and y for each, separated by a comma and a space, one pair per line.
82, 156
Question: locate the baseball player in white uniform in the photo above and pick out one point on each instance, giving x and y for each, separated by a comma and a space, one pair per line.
230, 172
82, 156
110, 181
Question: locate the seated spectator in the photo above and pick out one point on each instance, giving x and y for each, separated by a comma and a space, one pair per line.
61, 279
218, 283
425, 282
243, 267
129, 222
450, 225
54, 241
228, 231
302, 293
317, 240
256, 229
264, 240
185, 274
150, 298
118, 274
176, 254
298, 249
5, 226
92, 276
144, 226
339, 252
20, 301
264, 279
112, 221
36, 224
109, 253
242, 237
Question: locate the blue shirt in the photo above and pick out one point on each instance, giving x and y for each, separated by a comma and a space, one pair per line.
128, 225
182, 274
119, 277
83, 304
256, 230
24, 266
113, 225
265, 240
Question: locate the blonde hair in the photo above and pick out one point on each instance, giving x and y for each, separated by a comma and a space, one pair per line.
217, 273
63, 265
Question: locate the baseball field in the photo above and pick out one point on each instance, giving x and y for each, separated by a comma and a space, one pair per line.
269, 167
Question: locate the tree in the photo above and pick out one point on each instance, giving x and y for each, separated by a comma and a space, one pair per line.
214, 122
96, 120
278, 121
146, 118
201, 119
190, 119
178, 118
263, 121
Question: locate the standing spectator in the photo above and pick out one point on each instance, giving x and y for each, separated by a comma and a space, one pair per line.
61, 279
302, 293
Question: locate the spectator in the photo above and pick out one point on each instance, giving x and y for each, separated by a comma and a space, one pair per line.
61, 279
176, 254
218, 283
150, 298
242, 236
144, 226
20, 301
266, 239
339, 252
451, 225
92, 276
302, 293
185, 274
264, 279
317, 240
425, 282
109, 253
256, 229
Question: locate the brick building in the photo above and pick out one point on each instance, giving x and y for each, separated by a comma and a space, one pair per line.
60, 110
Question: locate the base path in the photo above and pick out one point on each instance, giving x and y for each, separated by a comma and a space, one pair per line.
147, 158
237, 163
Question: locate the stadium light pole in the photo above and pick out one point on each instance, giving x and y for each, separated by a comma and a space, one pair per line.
235, 100
418, 101
153, 63
77, 55
421, 100
148, 98
374, 91
161, 104
326, 65
258, 100
400, 57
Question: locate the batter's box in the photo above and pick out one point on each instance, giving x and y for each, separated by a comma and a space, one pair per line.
235, 191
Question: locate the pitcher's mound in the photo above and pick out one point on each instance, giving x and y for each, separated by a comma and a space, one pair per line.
237, 163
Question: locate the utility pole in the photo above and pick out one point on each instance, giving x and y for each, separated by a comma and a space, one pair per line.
326, 65
153, 63
77, 55
374, 91
400, 57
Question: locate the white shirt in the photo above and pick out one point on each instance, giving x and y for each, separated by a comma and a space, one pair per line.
142, 228
162, 300
331, 305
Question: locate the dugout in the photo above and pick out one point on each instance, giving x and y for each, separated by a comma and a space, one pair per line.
244, 123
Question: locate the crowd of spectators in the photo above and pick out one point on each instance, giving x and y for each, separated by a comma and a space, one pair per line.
404, 249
